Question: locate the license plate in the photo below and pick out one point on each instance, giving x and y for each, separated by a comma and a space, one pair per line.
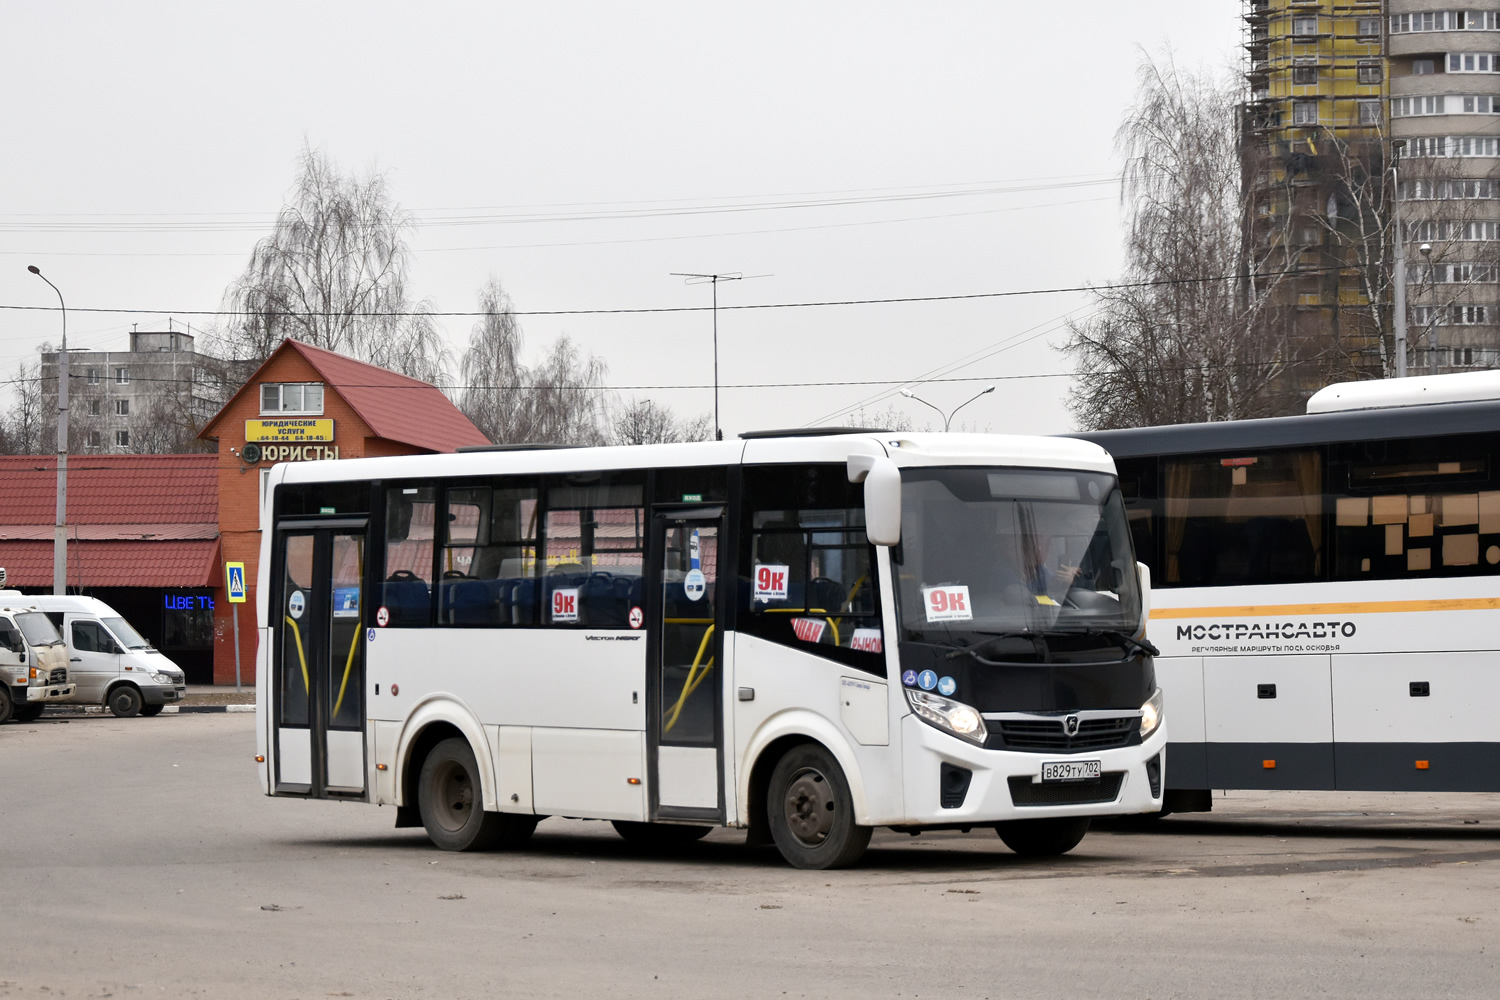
1071, 770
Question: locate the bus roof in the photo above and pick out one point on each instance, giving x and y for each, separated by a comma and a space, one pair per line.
907, 449
1421, 390
1374, 424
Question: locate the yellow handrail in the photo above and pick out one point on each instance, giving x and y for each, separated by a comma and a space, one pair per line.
297, 632
348, 666
688, 685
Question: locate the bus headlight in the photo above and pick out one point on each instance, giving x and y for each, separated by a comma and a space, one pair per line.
949, 715
1151, 714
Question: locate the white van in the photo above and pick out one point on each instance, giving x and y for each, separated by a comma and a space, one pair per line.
110, 661
33, 660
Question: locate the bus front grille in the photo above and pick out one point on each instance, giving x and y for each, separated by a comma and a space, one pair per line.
58, 676
1049, 736
1025, 792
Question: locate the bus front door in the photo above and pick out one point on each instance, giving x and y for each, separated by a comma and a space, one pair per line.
319, 712
687, 666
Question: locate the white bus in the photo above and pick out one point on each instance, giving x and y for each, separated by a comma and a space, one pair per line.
1327, 593
799, 634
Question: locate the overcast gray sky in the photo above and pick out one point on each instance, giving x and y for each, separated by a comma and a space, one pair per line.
148, 145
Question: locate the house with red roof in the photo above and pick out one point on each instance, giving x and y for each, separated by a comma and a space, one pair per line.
309, 404
143, 536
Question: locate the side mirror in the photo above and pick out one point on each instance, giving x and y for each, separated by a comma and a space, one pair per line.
1143, 577
10, 639
882, 496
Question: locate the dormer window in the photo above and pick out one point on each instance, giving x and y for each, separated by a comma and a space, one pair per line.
278, 398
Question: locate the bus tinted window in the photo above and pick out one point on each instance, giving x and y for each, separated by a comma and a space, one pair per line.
595, 550
488, 562
1142, 508
1414, 509
406, 592
1243, 518
809, 580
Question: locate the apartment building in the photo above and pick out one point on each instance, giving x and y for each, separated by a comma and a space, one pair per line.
1444, 68
1353, 106
151, 398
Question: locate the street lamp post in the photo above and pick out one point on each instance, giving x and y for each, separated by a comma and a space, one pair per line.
947, 417
60, 531
1399, 305
1432, 337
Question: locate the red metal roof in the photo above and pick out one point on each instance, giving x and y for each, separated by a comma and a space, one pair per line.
396, 407
115, 563
111, 489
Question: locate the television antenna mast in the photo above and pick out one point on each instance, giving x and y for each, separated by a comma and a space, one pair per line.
690, 278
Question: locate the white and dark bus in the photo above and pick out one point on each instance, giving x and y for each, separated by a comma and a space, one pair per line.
1327, 589
802, 635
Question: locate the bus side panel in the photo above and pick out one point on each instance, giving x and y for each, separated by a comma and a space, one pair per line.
787, 682
1269, 721
1392, 710
263, 710
586, 773
1181, 681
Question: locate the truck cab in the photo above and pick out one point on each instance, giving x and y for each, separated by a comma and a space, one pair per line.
33, 661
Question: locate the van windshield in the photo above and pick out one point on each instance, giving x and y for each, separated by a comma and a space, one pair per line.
38, 630
126, 634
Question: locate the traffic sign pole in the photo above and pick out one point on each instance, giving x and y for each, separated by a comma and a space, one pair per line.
234, 575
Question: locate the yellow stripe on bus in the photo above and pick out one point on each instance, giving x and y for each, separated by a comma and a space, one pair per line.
1345, 608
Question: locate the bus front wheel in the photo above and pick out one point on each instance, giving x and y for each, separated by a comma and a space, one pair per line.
811, 812
451, 802
1042, 838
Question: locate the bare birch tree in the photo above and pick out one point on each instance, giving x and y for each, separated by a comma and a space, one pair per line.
333, 273
1184, 336
644, 421
561, 400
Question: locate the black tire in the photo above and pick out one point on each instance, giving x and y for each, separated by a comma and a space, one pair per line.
450, 800
659, 835
1043, 838
125, 702
811, 812
29, 713
147, 711
7, 706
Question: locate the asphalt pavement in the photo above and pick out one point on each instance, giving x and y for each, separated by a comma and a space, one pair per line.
142, 861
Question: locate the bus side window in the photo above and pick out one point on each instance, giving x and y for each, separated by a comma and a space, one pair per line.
595, 550
1142, 508
489, 556
405, 590
1414, 509
1244, 519
807, 576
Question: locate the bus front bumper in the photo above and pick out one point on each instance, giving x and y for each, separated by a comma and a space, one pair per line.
44, 694
1008, 785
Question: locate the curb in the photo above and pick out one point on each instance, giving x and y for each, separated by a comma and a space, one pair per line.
64, 709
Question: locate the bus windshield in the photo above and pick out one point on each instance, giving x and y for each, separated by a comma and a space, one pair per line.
1002, 551
126, 634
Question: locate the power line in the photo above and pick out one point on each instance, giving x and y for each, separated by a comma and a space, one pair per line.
657, 310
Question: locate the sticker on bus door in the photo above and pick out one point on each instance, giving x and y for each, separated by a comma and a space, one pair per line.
770, 582
565, 604
947, 604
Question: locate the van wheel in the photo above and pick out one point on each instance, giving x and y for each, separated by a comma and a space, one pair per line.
7, 707
451, 802
125, 702
1042, 838
659, 835
147, 711
30, 713
811, 812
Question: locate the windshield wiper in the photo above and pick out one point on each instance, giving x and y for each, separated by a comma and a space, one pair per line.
1130, 642
1036, 638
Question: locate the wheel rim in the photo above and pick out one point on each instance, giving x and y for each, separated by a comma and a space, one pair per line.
122, 702
454, 798
810, 807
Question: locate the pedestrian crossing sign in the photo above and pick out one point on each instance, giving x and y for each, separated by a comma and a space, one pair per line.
235, 572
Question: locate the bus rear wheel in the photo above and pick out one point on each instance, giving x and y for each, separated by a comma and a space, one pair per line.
659, 835
811, 812
1043, 838
451, 802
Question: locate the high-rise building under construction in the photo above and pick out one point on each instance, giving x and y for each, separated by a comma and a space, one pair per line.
1359, 112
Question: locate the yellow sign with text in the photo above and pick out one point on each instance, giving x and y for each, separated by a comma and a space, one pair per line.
291, 430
